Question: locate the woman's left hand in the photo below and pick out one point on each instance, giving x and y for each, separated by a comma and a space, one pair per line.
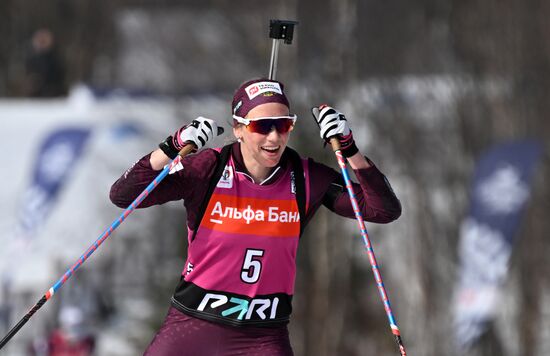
333, 123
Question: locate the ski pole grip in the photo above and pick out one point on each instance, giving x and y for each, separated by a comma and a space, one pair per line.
335, 143
187, 149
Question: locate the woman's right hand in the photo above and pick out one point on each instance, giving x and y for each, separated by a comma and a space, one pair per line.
197, 133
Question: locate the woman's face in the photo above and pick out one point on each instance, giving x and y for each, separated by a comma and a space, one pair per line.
264, 151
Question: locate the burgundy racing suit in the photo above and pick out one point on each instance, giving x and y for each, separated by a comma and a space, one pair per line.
222, 291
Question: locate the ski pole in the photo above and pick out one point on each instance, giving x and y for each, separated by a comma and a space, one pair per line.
185, 151
374, 265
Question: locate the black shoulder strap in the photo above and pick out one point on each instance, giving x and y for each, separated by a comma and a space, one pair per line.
221, 162
299, 182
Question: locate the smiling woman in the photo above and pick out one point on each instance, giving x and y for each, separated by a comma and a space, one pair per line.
247, 206
262, 150
262, 124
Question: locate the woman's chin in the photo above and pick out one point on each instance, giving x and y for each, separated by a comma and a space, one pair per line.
271, 159
270, 163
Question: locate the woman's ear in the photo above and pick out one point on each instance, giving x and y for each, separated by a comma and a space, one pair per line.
237, 131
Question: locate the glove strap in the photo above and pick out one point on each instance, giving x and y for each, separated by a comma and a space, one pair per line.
350, 150
167, 146
348, 146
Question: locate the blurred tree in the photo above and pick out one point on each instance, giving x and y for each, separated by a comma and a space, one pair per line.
507, 41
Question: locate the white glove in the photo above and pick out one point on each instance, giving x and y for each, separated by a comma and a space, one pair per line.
331, 122
198, 132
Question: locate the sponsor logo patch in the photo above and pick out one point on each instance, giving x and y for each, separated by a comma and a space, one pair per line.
226, 180
253, 90
257, 216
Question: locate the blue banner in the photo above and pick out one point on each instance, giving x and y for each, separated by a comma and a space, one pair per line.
500, 190
55, 160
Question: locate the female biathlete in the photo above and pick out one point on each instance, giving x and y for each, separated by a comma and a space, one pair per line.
247, 205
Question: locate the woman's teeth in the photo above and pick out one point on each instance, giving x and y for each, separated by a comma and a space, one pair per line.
270, 149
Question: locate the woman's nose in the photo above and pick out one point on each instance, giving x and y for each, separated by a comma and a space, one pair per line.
273, 133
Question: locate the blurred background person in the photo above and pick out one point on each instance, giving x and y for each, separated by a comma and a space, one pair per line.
71, 338
44, 68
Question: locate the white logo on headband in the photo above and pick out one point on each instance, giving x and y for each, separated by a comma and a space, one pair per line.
237, 107
253, 90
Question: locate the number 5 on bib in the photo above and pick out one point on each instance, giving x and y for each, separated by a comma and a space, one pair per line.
252, 266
